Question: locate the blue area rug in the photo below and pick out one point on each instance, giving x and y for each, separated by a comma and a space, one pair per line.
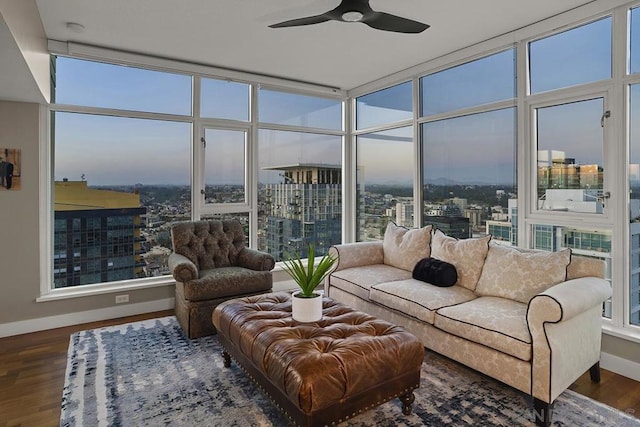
149, 374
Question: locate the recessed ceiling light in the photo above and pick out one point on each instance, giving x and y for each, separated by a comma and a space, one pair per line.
75, 27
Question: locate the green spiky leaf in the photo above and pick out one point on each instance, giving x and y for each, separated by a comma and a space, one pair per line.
310, 276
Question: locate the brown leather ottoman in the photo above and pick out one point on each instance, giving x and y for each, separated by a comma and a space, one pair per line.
319, 373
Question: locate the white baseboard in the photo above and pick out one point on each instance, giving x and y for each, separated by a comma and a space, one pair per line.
59, 321
619, 365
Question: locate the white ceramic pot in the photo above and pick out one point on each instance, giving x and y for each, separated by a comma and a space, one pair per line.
306, 309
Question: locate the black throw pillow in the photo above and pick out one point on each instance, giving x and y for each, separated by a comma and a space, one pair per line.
435, 272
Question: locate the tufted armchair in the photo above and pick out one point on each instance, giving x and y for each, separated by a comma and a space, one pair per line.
211, 264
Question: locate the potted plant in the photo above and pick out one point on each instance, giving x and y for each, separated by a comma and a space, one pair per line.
307, 302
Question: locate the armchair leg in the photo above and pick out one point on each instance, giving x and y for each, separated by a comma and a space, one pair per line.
594, 372
542, 412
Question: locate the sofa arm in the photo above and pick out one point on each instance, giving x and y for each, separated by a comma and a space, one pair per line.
182, 268
567, 299
357, 254
256, 260
565, 323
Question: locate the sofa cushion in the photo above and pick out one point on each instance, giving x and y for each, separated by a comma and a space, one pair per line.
358, 280
418, 299
467, 255
404, 247
520, 275
435, 272
494, 322
582, 266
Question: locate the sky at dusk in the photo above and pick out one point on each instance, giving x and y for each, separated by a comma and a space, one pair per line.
476, 148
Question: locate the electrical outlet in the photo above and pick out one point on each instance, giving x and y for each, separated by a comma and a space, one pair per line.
122, 299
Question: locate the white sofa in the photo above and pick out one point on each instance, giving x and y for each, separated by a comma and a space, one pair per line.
531, 319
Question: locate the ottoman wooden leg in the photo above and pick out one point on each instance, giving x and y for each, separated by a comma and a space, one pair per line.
227, 359
407, 401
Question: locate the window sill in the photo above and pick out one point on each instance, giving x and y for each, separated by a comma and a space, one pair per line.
629, 333
129, 285
104, 288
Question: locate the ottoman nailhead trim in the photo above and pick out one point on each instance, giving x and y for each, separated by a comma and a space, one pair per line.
333, 423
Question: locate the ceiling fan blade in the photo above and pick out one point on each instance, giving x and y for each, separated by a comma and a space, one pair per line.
309, 20
387, 22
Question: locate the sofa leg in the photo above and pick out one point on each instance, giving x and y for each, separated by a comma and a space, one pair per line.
542, 412
594, 372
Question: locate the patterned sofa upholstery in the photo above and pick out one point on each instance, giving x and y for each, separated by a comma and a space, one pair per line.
211, 264
531, 319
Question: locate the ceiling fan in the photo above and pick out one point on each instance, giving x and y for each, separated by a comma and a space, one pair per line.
359, 11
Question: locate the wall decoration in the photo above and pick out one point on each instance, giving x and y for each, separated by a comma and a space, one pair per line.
10, 169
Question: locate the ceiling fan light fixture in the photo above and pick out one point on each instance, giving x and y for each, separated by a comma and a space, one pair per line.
352, 16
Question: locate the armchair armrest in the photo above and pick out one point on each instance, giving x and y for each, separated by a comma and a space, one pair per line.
182, 268
357, 254
256, 260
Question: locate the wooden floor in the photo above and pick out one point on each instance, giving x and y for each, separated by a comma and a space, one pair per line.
32, 369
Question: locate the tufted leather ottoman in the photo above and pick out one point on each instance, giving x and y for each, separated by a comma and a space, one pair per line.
319, 373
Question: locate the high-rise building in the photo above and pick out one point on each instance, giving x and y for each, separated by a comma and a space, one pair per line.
572, 200
556, 171
475, 217
500, 231
306, 208
96, 235
404, 214
455, 226
459, 202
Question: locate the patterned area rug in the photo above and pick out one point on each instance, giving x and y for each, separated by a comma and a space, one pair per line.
149, 374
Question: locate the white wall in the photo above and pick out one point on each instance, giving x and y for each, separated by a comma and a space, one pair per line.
20, 251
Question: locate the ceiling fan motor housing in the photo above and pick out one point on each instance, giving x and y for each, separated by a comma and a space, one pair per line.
359, 11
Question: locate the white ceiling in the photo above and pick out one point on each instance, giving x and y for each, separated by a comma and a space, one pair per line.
16, 82
234, 34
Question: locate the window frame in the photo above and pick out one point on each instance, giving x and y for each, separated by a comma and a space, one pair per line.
617, 135
199, 165
47, 291
617, 87
566, 28
356, 211
533, 213
615, 154
198, 124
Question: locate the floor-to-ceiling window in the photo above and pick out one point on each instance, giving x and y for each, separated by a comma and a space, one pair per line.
221, 147
633, 95
568, 110
468, 137
384, 161
121, 170
528, 142
132, 152
446, 141
299, 186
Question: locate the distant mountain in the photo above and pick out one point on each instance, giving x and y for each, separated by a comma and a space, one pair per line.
447, 181
442, 181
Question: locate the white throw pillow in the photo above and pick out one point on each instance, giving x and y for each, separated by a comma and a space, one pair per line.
467, 255
520, 275
404, 247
